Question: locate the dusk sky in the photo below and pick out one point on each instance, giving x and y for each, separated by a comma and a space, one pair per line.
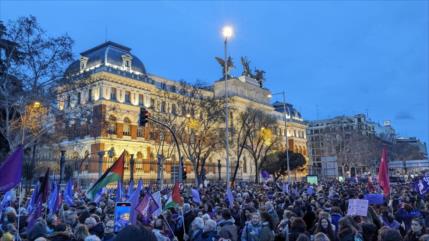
332, 58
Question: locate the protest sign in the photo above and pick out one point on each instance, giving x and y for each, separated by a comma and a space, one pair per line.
357, 207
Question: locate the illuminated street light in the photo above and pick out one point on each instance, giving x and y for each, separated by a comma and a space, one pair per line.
227, 32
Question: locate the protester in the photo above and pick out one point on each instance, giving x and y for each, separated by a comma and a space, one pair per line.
417, 230
209, 214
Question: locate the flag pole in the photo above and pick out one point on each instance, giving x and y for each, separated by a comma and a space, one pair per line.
19, 206
169, 227
183, 222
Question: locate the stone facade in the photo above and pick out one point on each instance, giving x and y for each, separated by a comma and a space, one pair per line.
114, 95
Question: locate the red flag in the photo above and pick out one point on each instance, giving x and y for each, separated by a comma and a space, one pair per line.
383, 173
176, 194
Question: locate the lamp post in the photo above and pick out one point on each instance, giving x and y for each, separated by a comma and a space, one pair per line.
286, 137
62, 161
100, 162
219, 167
227, 32
132, 162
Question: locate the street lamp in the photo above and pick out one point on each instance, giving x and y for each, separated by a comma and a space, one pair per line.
285, 120
227, 33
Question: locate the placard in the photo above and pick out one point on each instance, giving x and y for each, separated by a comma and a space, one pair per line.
358, 207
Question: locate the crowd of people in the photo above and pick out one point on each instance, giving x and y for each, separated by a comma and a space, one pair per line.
255, 212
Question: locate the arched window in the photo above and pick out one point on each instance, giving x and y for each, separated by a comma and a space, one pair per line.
127, 127
244, 165
139, 161
111, 128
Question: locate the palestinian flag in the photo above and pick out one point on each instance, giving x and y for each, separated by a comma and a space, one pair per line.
113, 174
175, 198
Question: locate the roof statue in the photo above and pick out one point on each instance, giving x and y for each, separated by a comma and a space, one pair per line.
246, 68
229, 64
259, 76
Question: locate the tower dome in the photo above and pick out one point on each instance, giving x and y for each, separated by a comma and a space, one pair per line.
108, 54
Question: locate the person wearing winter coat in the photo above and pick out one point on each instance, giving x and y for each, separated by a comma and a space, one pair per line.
158, 230
252, 229
226, 226
60, 233
209, 231
267, 227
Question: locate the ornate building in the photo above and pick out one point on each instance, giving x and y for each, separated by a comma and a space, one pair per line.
112, 85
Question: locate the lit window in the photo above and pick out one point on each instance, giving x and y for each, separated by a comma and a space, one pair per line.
113, 94
141, 100
127, 97
127, 127
111, 129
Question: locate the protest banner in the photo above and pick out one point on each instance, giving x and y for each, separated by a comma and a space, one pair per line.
374, 198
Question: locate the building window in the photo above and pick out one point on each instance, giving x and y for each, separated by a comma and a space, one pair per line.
163, 107
141, 100
152, 103
113, 94
111, 128
68, 101
173, 109
140, 132
127, 97
126, 61
83, 62
245, 165
90, 95
127, 127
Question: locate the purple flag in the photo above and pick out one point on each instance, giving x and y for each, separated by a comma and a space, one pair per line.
130, 189
196, 196
147, 207
37, 212
11, 170
134, 200
265, 175
33, 199
68, 194
230, 197
53, 199
119, 191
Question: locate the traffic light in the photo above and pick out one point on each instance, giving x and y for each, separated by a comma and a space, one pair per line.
184, 173
143, 117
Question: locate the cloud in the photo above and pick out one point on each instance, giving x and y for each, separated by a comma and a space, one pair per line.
404, 115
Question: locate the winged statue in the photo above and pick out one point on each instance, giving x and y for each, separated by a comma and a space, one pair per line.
259, 76
229, 65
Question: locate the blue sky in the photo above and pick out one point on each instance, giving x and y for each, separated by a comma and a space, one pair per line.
331, 58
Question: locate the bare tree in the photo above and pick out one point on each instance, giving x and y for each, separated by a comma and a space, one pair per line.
260, 140
198, 128
29, 74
